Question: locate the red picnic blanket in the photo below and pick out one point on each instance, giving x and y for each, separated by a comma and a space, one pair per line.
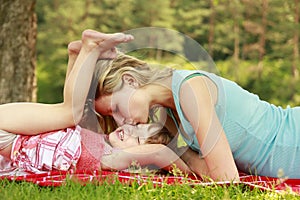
59, 178
89, 158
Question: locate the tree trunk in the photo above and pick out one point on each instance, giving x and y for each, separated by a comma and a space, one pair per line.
211, 29
236, 52
234, 10
262, 39
295, 71
18, 29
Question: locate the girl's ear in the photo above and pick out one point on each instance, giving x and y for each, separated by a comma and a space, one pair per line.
130, 80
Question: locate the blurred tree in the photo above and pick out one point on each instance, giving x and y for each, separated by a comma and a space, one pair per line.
295, 63
211, 33
295, 70
114, 15
254, 29
191, 17
60, 22
17, 50
236, 9
152, 13
239, 34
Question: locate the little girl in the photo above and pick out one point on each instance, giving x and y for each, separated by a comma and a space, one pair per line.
82, 149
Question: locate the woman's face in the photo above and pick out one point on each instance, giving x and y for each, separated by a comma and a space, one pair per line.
127, 106
127, 136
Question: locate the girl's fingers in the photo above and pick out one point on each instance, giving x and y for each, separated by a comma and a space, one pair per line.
116, 39
99, 37
75, 46
108, 47
105, 43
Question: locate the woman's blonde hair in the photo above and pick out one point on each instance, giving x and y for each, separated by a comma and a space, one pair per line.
110, 74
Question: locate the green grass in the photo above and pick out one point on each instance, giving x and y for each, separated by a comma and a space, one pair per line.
24, 190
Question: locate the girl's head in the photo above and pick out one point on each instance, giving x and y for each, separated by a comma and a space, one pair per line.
129, 136
118, 93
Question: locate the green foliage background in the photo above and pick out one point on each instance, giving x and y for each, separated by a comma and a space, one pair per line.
270, 76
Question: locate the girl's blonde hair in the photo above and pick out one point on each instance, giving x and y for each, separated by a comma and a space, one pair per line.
110, 74
162, 137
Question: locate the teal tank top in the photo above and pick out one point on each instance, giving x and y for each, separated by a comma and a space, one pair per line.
264, 139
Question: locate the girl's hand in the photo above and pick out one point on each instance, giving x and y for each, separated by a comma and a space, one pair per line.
105, 44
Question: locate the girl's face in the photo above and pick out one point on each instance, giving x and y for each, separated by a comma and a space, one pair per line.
127, 105
127, 136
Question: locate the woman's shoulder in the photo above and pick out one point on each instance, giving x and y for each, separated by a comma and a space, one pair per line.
180, 76
185, 72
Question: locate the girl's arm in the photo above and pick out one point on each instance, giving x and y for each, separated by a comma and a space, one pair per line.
73, 51
34, 118
197, 99
156, 154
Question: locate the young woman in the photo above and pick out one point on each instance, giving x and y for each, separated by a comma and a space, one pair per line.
55, 146
230, 127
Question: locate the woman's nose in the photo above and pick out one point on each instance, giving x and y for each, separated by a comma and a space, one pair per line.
120, 120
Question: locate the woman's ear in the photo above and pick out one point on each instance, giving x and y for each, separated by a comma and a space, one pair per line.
130, 80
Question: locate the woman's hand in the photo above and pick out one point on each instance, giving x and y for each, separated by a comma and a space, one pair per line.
195, 162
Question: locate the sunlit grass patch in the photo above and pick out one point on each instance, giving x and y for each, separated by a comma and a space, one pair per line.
135, 190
